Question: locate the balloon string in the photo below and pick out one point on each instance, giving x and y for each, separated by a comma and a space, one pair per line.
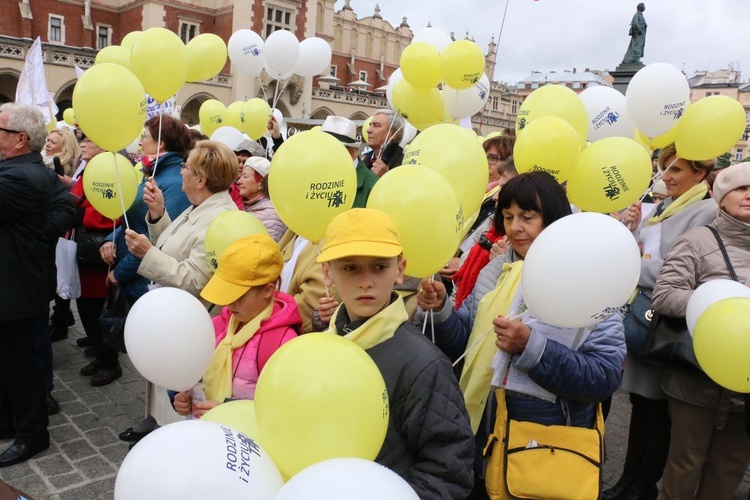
158, 144
480, 339
390, 127
656, 178
278, 96
431, 315
119, 191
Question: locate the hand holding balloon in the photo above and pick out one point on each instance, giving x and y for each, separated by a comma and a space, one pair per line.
512, 334
138, 244
431, 295
326, 307
273, 127
154, 200
183, 403
200, 408
108, 251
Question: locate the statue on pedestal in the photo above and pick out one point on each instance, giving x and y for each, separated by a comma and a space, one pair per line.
637, 37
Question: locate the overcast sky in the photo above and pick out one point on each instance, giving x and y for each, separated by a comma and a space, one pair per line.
548, 35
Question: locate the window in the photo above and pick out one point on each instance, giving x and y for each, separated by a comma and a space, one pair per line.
495, 103
514, 107
56, 29
188, 30
334, 70
104, 36
738, 155
363, 76
278, 19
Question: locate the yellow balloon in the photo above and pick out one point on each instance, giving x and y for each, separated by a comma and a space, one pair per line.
317, 128
207, 55
644, 141
212, 115
365, 127
114, 54
255, 114
69, 117
721, 341
424, 126
555, 100
611, 174
548, 144
227, 228
129, 40
709, 128
233, 116
110, 184
109, 105
418, 105
159, 59
462, 63
453, 152
429, 237
138, 167
319, 397
311, 181
239, 415
420, 65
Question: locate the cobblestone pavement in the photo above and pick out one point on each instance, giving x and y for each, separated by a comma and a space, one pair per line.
85, 452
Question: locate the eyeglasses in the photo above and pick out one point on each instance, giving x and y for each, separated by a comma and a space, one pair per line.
9, 131
492, 159
184, 166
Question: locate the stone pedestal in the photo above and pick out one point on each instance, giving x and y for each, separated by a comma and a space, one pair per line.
623, 74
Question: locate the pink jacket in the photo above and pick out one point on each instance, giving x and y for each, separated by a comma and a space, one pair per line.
248, 361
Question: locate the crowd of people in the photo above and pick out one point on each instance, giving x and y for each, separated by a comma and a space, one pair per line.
270, 289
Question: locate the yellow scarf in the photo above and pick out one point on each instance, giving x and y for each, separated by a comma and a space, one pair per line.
477, 372
218, 377
378, 328
692, 195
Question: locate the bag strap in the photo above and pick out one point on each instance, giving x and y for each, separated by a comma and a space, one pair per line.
723, 252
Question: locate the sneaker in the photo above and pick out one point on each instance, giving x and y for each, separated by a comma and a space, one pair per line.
90, 369
106, 376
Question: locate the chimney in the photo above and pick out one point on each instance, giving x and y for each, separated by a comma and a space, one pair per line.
574, 70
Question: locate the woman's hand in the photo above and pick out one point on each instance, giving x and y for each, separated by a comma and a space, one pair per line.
499, 248
154, 200
138, 244
183, 403
632, 216
108, 251
200, 408
431, 295
512, 334
326, 307
111, 280
273, 127
450, 268
66, 181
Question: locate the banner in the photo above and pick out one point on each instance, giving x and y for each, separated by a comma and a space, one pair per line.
32, 85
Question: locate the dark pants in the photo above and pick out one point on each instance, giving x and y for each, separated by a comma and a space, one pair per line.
23, 402
43, 346
61, 312
648, 439
89, 311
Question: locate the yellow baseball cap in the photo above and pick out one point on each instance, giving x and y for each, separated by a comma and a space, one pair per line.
248, 262
361, 231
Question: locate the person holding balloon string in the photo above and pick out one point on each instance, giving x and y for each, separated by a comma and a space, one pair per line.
383, 136
176, 258
261, 319
710, 447
253, 187
687, 205
428, 441
527, 204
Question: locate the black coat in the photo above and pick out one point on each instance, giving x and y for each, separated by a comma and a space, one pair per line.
25, 200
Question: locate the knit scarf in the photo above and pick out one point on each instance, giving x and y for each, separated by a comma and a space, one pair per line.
378, 328
692, 195
466, 277
477, 373
218, 377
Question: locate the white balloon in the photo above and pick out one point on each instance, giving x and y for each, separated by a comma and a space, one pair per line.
580, 270
228, 136
607, 113
708, 294
197, 459
656, 98
245, 50
279, 116
466, 103
314, 57
275, 74
281, 51
170, 338
344, 479
434, 36
395, 77
410, 132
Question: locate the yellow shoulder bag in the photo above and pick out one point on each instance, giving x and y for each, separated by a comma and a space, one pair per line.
528, 460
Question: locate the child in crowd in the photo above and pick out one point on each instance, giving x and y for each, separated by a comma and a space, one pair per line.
256, 321
429, 440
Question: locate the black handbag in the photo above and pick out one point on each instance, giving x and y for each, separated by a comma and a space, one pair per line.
114, 313
636, 323
89, 242
669, 342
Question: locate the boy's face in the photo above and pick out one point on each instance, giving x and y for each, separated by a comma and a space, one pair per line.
364, 283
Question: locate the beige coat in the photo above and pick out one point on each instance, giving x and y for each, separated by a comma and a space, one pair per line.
695, 259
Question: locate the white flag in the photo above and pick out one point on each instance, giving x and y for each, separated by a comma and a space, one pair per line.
79, 71
32, 86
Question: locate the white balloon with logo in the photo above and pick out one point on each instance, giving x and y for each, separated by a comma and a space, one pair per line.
245, 50
656, 98
467, 102
607, 112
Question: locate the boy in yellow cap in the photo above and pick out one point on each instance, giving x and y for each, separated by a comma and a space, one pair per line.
256, 321
429, 441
